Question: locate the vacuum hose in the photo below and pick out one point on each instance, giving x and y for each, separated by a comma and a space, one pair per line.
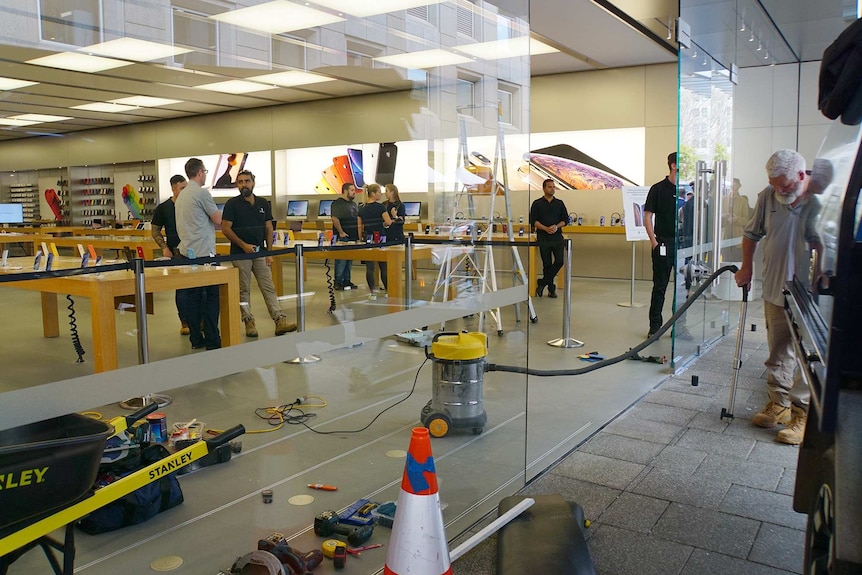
630, 354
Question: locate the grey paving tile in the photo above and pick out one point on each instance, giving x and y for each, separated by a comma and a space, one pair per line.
664, 484
677, 399
716, 443
739, 471
662, 413
625, 448
703, 388
780, 547
707, 529
481, 560
779, 454
593, 498
678, 460
709, 421
763, 506
654, 431
634, 512
618, 551
703, 562
605, 471
787, 483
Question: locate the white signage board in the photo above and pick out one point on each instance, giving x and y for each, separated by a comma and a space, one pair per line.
634, 198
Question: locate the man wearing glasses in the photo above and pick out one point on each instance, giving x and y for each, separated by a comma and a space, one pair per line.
197, 218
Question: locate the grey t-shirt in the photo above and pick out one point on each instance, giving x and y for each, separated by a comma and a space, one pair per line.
194, 226
786, 233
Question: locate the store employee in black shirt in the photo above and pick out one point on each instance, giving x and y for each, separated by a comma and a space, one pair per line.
548, 215
661, 203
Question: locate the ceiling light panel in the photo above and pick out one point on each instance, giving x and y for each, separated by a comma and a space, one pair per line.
12, 83
134, 49
40, 118
145, 101
235, 87
291, 78
106, 107
508, 48
13, 122
364, 8
77, 62
424, 59
277, 17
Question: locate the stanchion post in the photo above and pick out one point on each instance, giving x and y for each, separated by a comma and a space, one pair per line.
141, 312
408, 269
566, 341
631, 302
300, 306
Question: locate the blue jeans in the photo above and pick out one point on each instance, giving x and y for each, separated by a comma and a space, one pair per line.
342, 268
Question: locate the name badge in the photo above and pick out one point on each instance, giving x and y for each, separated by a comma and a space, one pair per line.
662, 250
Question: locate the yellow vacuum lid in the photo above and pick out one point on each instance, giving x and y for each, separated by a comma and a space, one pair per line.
460, 346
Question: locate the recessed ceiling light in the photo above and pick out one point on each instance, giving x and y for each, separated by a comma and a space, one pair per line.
12, 122
424, 59
104, 107
145, 101
12, 83
277, 17
40, 118
368, 8
291, 78
134, 49
509, 48
78, 62
235, 87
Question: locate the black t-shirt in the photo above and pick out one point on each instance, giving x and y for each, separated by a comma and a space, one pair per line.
661, 200
372, 218
165, 217
346, 212
248, 221
395, 233
548, 213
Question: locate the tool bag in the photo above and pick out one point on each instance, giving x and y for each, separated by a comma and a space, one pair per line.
140, 505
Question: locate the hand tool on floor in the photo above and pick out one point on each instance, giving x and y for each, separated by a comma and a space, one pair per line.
737, 358
328, 523
592, 356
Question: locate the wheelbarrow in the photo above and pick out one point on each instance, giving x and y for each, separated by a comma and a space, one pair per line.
48, 469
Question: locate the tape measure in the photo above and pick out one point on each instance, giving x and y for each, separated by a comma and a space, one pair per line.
335, 550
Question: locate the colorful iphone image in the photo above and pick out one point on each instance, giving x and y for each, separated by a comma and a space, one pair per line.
572, 175
333, 179
323, 187
354, 157
227, 168
572, 153
478, 158
342, 167
386, 157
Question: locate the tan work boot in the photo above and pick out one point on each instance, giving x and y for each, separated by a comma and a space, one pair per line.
771, 415
184, 328
282, 326
795, 431
250, 327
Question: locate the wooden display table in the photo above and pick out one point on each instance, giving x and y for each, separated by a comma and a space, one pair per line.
102, 288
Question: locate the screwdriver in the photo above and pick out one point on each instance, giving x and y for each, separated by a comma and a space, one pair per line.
323, 487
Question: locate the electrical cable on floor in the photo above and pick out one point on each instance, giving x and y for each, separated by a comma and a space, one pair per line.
329, 286
278, 415
73, 329
630, 354
402, 400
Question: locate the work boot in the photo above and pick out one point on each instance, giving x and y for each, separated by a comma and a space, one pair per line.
184, 328
282, 326
250, 327
795, 430
772, 415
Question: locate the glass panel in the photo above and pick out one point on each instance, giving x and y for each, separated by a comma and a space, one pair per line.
73, 22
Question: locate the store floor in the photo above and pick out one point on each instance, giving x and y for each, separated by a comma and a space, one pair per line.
532, 422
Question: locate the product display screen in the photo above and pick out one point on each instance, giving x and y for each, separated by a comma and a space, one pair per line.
411, 209
11, 213
297, 208
325, 208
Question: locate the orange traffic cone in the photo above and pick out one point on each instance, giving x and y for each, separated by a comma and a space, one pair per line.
418, 543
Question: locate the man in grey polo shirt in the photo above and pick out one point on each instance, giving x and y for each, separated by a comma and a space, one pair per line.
784, 218
197, 216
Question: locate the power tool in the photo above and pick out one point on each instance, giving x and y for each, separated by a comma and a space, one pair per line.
328, 523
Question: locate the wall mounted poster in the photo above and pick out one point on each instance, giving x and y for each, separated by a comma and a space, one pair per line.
634, 198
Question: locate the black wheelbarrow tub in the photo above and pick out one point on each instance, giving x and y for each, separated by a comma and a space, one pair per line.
48, 465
